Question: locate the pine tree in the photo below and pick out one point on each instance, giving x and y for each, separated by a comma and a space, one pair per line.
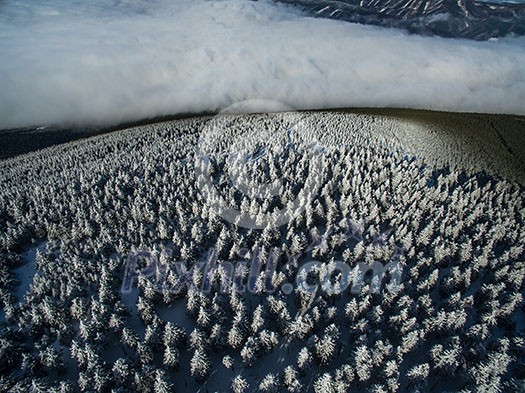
304, 360
235, 337
129, 338
198, 339
268, 340
363, 362
269, 384
171, 357
121, 371
325, 349
173, 335
162, 383
291, 380
239, 385
227, 361
51, 359
200, 365
249, 351
419, 373
257, 320
324, 384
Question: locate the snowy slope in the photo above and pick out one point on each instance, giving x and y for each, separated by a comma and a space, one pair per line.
474, 19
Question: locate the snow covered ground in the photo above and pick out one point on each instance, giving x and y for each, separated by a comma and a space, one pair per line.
71, 62
443, 185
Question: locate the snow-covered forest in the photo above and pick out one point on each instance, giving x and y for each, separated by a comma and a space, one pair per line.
72, 215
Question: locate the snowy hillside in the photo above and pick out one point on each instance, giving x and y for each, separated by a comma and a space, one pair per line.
401, 269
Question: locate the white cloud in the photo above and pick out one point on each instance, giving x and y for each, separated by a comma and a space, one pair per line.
105, 62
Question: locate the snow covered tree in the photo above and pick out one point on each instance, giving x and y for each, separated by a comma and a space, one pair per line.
227, 362
200, 365
171, 357
419, 373
304, 360
269, 384
291, 380
324, 384
121, 371
363, 363
239, 385
162, 383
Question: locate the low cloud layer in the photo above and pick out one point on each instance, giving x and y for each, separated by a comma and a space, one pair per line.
103, 62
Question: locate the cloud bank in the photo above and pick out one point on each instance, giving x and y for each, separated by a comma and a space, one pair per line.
105, 62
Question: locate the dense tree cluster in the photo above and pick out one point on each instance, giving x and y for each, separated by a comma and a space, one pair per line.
456, 323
